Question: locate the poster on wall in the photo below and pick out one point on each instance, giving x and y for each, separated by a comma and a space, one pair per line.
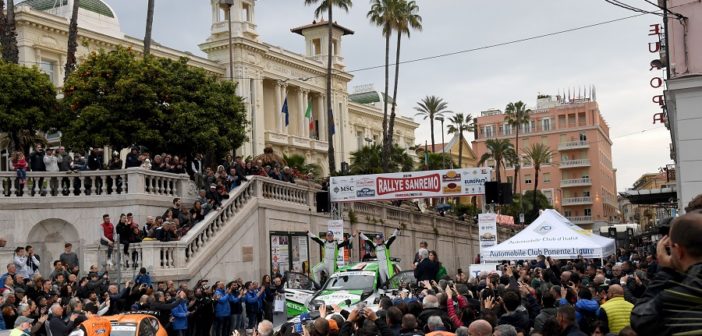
336, 226
487, 230
279, 253
407, 185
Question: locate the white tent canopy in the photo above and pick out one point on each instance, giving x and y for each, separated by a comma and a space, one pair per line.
551, 235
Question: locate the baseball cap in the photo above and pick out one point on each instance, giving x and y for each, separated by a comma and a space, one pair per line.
22, 319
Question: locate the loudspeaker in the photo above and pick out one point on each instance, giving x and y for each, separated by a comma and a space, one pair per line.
492, 193
505, 193
322, 198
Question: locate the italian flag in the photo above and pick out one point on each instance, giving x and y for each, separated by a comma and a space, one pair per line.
308, 115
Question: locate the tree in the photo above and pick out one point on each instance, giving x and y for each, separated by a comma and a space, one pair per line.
8, 40
297, 163
537, 154
431, 107
367, 160
525, 204
460, 124
327, 5
115, 99
27, 104
516, 115
149, 26
72, 41
3, 22
436, 161
382, 14
498, 150
406, 19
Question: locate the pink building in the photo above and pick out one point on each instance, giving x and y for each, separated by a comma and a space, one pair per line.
580, 181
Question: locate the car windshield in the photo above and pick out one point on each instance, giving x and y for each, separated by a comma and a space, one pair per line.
123, 330
351, 281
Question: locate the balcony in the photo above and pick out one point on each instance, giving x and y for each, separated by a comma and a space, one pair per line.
577, 201
575, 163
296, 141
573, 145
581, 182
580, 220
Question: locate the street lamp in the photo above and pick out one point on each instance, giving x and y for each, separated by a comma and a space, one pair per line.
227, 6
443, 144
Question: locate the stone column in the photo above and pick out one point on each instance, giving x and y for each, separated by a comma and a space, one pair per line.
322, 131
278, 107
301, 107
306, 122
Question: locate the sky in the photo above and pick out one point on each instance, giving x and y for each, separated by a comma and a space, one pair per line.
613, 57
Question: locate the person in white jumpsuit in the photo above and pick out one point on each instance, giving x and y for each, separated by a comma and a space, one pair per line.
330, 251
382, 252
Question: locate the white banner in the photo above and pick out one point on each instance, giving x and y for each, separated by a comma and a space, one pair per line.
487, 231
475, 269
420, 184
336, 226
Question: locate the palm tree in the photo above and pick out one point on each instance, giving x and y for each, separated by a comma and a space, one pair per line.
382, 14
72, 41
367, 160
498, 150
2, 25
537, 154
8, 40
406, 19
149, 26
437, 161
431, 107
460, 124
516, 115
327, 5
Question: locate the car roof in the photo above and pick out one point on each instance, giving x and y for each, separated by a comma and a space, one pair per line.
127, 318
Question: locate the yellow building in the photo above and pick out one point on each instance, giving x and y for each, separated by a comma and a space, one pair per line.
453, 148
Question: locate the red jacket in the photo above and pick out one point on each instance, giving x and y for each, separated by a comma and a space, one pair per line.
20, 164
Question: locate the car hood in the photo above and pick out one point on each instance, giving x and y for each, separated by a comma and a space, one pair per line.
338, 297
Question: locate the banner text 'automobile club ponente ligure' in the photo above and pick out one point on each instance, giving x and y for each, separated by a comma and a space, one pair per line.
421, 184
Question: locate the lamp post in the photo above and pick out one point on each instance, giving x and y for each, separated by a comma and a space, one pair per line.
227, 6
443, 144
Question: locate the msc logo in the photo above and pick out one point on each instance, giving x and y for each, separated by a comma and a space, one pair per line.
343, 189
543, 228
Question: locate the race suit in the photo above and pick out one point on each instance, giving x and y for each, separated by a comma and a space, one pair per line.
382, 252
330, 251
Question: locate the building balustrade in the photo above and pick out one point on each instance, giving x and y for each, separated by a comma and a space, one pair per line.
573, 145
580, 219
577, 200
575, 163
576, 182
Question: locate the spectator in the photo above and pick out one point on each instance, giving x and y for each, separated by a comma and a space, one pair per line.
426, 270
409, 326
616, 312
36, 164
566, 320
417, 258
515, 313
480, 328
548, 311
68, 257
31, 258
287, 175
436, 327
51, 163
180, 315
107, 236
22, 262
430, 305
505, 330
441, 270
133, 159
57, 326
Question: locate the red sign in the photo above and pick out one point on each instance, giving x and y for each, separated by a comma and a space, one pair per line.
430, 183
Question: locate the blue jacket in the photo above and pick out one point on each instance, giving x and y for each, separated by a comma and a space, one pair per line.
223, 307
143, 279
180, 316
584, 306
253, 301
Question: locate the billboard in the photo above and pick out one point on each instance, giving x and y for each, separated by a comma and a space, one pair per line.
487, 231
421, 184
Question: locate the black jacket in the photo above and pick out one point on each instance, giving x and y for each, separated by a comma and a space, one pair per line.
36, 161
429, 312
426, 270
653, 312
132, 161
58, 327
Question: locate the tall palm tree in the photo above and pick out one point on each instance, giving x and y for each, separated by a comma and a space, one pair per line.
406, 19
537, 154
498, 150
8, 40
516, 115
431, 107
72, 41
460, 124
383, 14
149, 26
327, 5
2, 25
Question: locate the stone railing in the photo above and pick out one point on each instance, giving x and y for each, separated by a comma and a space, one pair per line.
580, 219
573, 145
176, 257
98, 183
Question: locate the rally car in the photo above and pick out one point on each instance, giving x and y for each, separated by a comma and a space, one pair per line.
346, 288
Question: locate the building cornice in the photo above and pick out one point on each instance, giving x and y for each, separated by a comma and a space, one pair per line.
372, 112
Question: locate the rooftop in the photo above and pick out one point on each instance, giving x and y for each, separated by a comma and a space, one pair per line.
321, 23
369, 97
95, 6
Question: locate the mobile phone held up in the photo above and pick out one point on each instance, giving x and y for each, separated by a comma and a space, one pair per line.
298, 328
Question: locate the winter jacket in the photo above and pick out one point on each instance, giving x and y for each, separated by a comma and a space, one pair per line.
426, 270
545, 314
429, 312
573, 331
51, 163
180, 316
585, 307
36, 161
518, 319
254, 303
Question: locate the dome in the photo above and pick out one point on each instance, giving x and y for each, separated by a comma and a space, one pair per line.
95, 6
95, 15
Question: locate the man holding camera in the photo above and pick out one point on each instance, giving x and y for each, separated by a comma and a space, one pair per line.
679, 277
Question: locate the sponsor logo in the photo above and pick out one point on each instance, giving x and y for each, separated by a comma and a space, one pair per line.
487, 236
365, 192
428, 183
346, 188
365, 182
451, 176
543, 228
452, 188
